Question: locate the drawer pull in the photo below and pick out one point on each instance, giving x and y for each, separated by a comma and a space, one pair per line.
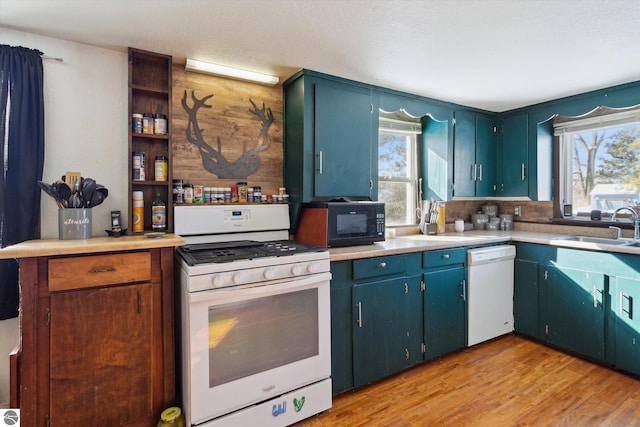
445, 256
102, 270
382, 265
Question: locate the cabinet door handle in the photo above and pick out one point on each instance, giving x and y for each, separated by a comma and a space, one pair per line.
595, 296
445, 256
621, 302
480, 168
474, 171
523, 171
464, 290
320, 162
102, 270
360, 314
406, 353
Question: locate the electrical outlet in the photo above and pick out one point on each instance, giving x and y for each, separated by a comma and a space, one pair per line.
517, 211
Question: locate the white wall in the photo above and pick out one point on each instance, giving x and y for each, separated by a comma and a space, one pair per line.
86, 124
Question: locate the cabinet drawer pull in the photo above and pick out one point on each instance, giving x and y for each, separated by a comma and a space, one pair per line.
102, 270
382, 265
445, 256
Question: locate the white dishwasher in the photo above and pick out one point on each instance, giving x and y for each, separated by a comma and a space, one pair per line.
490, 292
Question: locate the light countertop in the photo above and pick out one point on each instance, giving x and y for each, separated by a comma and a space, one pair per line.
420, 242
50, 247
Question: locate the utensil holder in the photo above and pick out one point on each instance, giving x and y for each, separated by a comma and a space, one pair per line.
74, 224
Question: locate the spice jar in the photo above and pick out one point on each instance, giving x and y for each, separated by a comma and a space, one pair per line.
161, 168
136, 123
178, 191
242, 192
147, 123
160, 124
188, 193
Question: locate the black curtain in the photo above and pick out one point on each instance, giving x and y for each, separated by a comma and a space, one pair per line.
22, 157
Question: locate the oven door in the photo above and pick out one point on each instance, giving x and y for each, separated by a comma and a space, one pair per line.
244, 345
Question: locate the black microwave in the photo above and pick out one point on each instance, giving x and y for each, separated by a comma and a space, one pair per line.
341, 223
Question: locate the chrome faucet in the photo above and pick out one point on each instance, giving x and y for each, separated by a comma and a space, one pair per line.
636, 221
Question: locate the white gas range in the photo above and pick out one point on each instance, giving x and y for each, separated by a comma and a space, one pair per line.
255, 327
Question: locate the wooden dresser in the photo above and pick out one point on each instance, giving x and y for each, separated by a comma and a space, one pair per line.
97, 331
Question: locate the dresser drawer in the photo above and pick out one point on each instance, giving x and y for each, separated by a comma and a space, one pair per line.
443, 257
98, 270
380, 266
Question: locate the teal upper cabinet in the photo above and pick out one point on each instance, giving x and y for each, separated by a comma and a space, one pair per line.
342, 140
436, 165
514, 170
329, 139
474, 169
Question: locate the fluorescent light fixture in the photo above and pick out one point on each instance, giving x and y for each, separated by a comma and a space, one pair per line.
233, 73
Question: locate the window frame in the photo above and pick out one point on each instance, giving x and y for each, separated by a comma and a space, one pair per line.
599, 118
412, 129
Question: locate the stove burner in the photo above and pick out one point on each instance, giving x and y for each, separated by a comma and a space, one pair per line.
242, 250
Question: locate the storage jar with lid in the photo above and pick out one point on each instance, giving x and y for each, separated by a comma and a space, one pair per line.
147, 123
160, 124
161, 168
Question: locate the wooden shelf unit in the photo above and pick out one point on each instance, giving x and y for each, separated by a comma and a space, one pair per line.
150, 84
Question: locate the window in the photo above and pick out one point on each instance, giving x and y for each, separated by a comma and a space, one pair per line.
599, 160
398, 168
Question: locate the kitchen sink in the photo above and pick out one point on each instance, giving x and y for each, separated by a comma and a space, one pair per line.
600, 240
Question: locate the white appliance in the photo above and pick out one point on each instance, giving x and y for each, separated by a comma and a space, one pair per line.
490, 292
255, 327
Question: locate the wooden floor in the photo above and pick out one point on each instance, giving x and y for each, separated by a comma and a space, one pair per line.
510, 381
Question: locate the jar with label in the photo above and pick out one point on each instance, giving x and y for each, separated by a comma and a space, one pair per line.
137, 220
242, 192
158, 214
137, 159
136, 123
188, 193
178, 191
160, 124
162, 168
147, 123
257, 194
198, 194
227, 195
234, 194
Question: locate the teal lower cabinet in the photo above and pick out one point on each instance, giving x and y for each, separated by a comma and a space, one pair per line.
525, 297
341, 329
445, 306
386, 333
444, 311
625, 296
574, 308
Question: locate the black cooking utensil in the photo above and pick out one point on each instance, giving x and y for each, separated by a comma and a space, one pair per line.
88, 187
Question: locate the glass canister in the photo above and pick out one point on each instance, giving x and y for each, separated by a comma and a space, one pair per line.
147, 123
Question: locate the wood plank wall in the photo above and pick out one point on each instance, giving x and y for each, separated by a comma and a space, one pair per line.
230, 120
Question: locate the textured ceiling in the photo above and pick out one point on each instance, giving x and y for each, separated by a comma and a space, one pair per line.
490, 54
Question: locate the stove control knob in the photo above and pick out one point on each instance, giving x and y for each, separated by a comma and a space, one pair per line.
313, 267
238, 278
269, 273
296, 270
218, 280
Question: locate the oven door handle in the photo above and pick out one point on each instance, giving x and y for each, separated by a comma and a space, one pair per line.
260, 289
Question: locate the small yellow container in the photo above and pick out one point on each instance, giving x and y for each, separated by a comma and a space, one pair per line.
441, 218
171, 417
